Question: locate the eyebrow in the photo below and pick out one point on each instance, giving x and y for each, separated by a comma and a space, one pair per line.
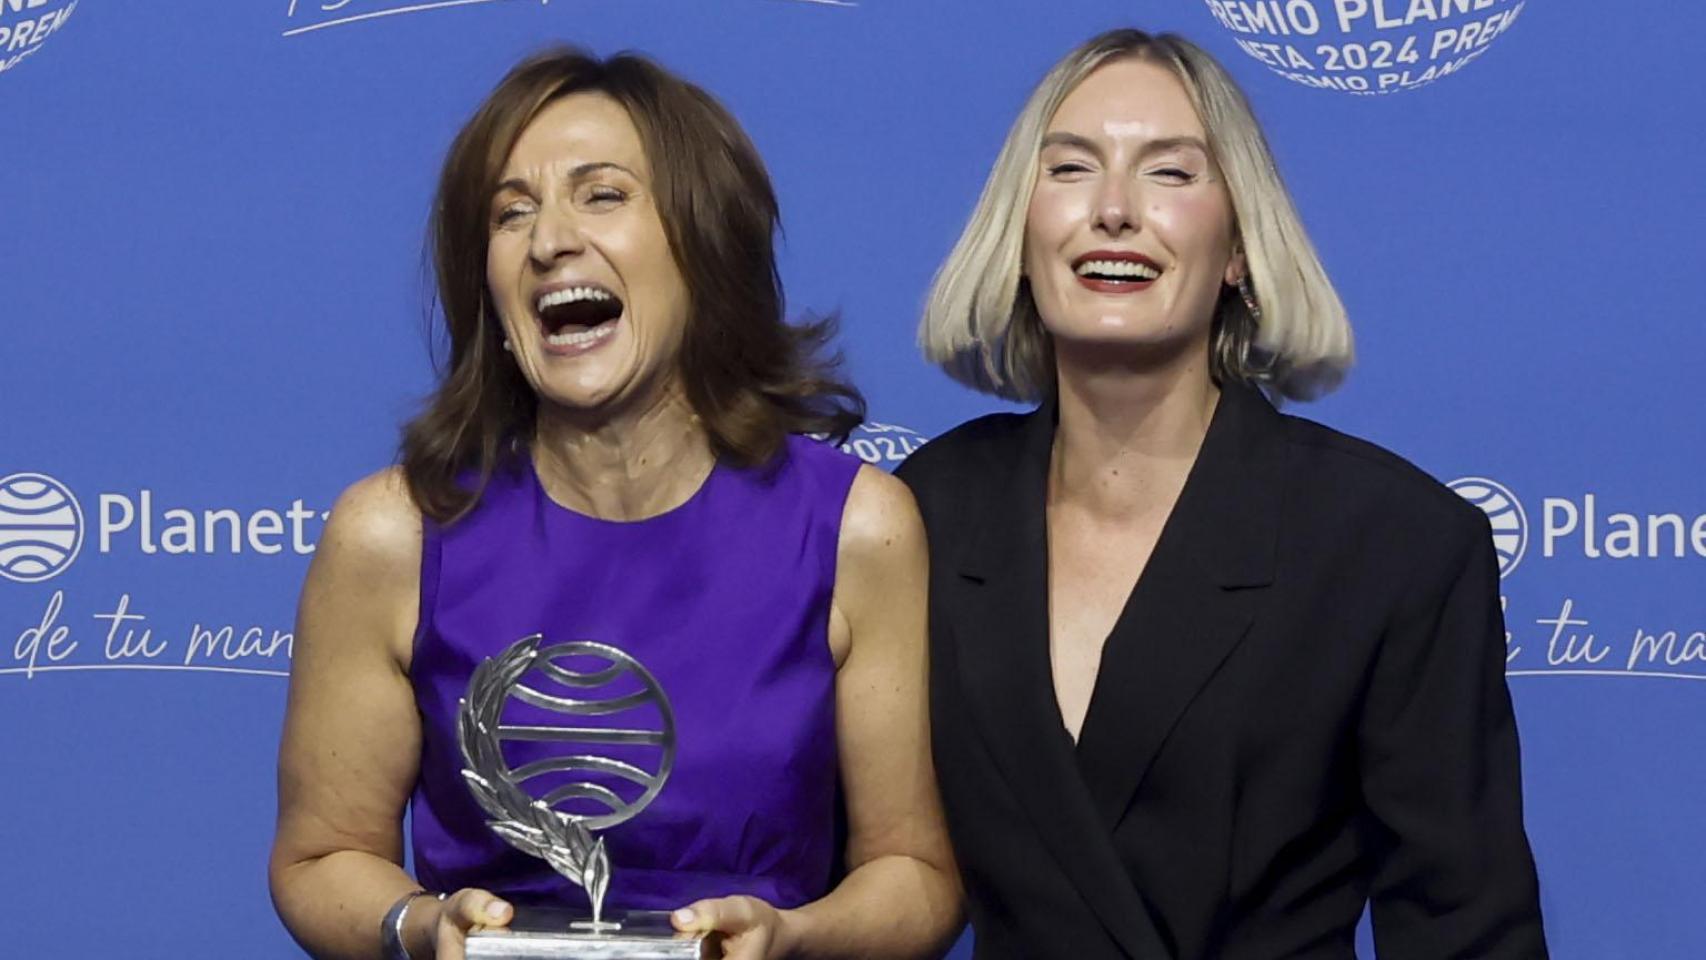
520, 185
1061, 138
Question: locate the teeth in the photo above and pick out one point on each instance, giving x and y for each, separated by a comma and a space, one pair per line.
1118, 268
581, 337
573, 295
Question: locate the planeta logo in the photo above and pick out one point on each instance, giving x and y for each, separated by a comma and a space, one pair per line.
41, 527
1504, 511
26, 24
1365, 46
1587, 526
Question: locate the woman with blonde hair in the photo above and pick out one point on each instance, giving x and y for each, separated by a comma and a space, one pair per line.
1206, 679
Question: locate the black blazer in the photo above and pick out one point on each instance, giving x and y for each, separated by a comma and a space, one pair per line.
1301, 708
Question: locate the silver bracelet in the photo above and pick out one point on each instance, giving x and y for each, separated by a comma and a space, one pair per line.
391, 927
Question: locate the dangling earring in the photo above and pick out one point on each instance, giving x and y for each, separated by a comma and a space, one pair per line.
1249, 298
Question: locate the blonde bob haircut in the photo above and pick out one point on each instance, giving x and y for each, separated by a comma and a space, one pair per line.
981, 325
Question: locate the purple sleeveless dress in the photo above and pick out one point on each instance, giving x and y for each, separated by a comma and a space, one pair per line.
725, 599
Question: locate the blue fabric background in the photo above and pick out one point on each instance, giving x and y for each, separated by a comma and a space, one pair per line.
211, 219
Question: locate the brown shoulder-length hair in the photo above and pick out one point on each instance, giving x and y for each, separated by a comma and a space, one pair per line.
751, 377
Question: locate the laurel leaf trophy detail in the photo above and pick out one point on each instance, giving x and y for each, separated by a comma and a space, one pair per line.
537, 825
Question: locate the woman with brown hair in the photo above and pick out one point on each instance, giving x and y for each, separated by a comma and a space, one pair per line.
617, 452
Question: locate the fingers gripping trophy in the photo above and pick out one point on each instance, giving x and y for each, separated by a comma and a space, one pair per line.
600, 769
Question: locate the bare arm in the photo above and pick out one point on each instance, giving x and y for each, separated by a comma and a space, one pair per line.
901, 897
351, 746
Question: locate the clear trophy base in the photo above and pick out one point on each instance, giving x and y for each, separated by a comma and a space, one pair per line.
555, 934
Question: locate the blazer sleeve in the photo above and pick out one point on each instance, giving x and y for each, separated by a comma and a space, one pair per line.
1441, 777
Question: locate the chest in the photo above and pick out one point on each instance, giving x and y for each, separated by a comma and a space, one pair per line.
1093, 567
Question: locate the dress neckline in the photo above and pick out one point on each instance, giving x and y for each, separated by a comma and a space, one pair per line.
698, 494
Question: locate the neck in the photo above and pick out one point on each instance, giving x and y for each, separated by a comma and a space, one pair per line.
629, 465
1128, 433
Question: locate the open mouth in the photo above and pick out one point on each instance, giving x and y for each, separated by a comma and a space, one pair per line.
578, 316
1110, 271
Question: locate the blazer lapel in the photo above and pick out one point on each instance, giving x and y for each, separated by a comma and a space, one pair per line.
1001, 637
1194, 602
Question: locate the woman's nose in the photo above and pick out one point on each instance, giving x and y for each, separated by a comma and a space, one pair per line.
556, 234
1115, 208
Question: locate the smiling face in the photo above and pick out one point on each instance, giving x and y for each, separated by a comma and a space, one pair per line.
1129, 234
579, 266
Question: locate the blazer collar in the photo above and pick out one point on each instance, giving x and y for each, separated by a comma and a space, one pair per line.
1231, 501
1235, 484
1194, 603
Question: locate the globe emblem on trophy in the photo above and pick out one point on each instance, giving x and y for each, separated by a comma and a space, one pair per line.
1505, 514
561, 741
41, 527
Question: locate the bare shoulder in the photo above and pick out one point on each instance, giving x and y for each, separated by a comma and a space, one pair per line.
881, 568
375, 525
364, 582
880, 520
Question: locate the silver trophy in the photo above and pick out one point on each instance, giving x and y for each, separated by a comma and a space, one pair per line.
537, 825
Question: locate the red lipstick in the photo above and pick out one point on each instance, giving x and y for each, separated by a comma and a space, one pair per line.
1115, 271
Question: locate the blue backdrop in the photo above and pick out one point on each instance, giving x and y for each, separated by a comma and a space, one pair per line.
211, 321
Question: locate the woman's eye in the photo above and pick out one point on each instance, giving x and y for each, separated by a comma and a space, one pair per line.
605, 196
1174, 174
1068, 168
509, 215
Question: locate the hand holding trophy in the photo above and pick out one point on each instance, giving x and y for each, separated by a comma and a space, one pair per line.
536, 826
